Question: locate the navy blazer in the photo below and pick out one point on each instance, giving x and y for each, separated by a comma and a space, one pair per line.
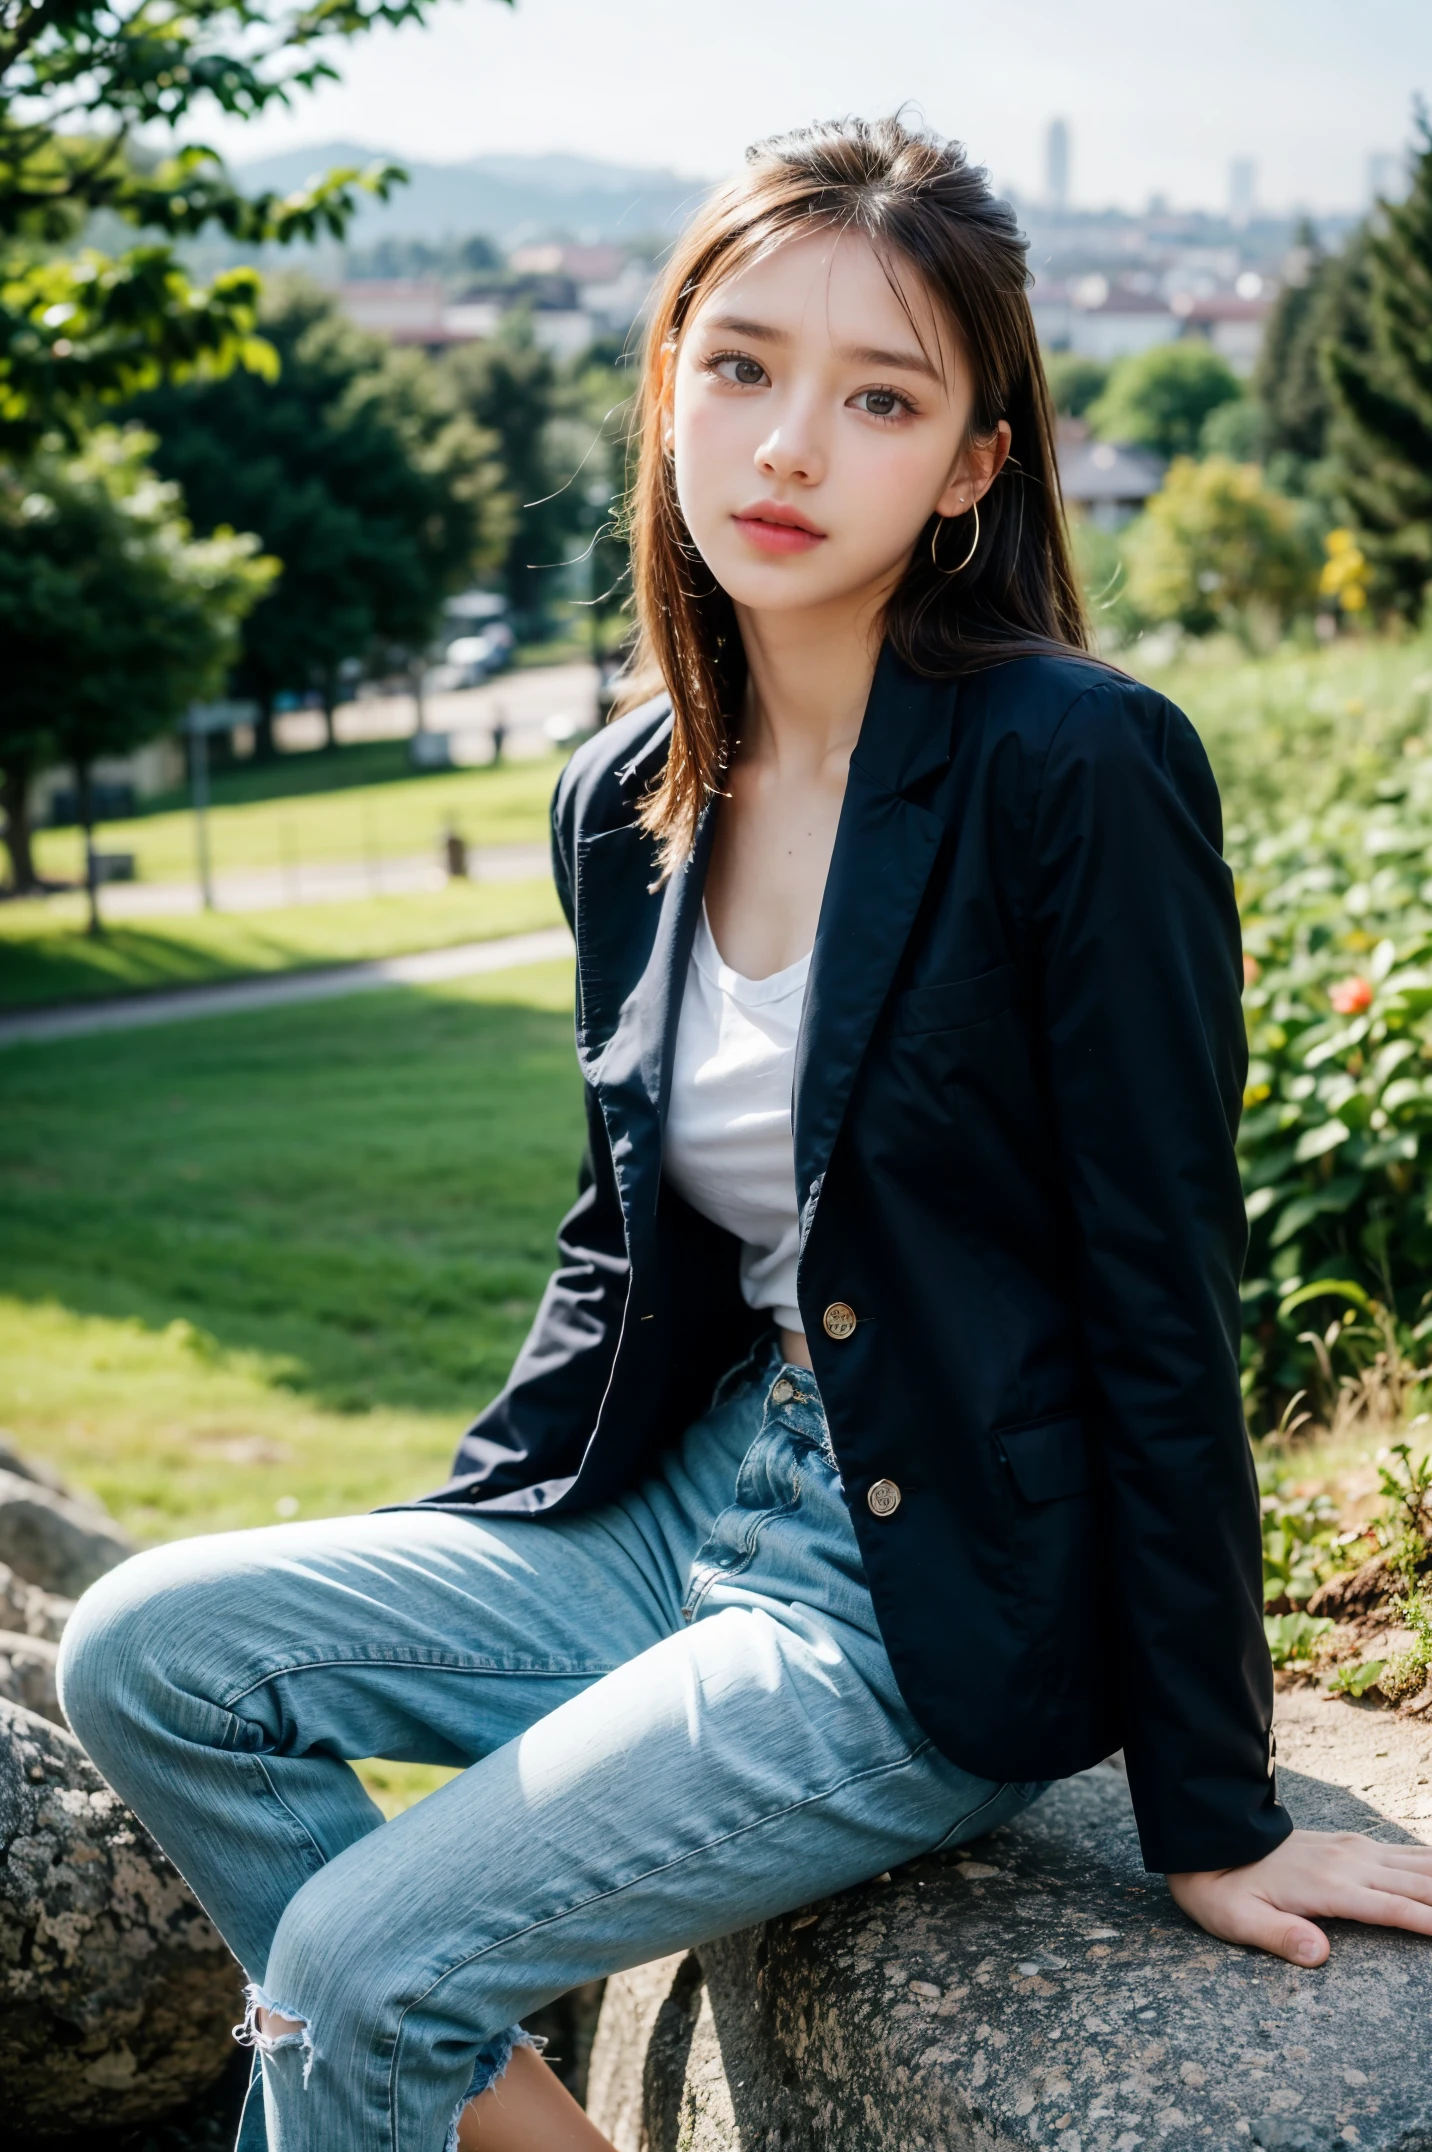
1018, 1078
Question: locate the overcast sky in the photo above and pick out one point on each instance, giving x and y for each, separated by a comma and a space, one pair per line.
1159, 97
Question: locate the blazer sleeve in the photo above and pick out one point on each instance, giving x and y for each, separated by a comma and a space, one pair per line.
537, 1428
1140, 970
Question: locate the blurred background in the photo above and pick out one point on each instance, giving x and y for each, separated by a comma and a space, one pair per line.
316, 340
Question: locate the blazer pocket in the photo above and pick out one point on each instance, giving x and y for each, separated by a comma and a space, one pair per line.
1049, 1461
953, 1003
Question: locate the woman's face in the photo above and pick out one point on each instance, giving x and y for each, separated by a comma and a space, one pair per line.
814, 429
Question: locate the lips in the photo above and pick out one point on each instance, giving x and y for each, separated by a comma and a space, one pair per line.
774, 528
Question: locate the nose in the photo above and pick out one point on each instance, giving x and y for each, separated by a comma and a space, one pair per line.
793, 451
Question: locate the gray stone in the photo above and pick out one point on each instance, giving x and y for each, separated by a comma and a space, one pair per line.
1040, 1989
52, 1540
116, 1994
27, 1674
27, 1610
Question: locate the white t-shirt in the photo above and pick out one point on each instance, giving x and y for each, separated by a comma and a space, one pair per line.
729, 1146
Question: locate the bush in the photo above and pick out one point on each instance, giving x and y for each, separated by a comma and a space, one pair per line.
1337, 1133
1218, 548
1074, 382
1162, 398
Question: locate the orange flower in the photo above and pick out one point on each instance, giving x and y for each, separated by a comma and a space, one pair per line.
1351, 996
1252, 969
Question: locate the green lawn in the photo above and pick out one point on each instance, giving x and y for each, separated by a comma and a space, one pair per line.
353, 803
46, 956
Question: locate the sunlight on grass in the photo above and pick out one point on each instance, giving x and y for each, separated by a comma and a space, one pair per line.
404, 816
45, 954
396, 1786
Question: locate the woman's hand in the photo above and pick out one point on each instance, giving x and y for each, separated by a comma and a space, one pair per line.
1340, 1875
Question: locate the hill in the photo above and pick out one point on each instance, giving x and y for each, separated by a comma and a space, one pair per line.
511, 199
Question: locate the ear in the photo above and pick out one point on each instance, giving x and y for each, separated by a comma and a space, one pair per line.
977, 466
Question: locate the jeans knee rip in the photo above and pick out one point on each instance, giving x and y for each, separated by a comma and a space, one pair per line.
252, 2034
491, 2064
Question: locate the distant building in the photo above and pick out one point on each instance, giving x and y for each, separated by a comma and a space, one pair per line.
1232, 324
414, 311
1107, 481
1056, 165
1242, 190
584, 265
1106, 321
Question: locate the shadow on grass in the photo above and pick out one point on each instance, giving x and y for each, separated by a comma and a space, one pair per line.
365, 1192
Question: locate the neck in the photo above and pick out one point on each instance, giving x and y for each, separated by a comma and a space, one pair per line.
809, 679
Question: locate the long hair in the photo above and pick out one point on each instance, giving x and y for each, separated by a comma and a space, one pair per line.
919, 201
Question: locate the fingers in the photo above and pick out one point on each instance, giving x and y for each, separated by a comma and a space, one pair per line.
1380, 1907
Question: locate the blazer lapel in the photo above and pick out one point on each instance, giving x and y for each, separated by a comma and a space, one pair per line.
885, 848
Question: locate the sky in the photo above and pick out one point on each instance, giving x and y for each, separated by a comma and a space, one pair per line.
1159, 97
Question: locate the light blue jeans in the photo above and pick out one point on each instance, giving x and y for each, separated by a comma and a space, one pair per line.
674, 1716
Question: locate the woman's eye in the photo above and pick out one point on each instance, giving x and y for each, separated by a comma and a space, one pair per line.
731, 366
880, 403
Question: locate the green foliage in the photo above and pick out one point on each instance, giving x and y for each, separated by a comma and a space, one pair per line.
1235, 430
1161, 398
81, 84
1356, 1680
1300, 1546
1217, 547
1322, 308
1337, 1133
1291, 1637
551, 451
1074, 382
1382, 434
361, 475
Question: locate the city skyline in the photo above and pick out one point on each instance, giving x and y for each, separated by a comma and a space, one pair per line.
1308, 90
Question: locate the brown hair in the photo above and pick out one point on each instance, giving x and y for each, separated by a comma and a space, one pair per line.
917, 198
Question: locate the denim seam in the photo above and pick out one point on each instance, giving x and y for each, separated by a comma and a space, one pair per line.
811, 1800
438, 1665
719, 1572
974, 1814
305, 1835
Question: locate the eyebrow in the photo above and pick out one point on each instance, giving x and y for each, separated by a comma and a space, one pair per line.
863, 354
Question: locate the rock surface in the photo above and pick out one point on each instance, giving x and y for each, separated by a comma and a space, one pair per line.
26, 1610
27, 1674
1040, 1989
50, 1539
116, 1994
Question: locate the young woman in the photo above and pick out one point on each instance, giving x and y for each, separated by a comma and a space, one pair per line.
877, 1453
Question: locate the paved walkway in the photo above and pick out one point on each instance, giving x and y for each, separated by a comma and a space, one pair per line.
426, 967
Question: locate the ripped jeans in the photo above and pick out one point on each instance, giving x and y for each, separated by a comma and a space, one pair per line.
673, 1717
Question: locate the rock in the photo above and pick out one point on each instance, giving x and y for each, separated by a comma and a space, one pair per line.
52, 1540
1039, 1989
116, 1994
1357, 1593
28, 1611
27, 1674
13, 1459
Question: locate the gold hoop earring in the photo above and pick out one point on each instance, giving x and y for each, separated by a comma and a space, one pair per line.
934, 538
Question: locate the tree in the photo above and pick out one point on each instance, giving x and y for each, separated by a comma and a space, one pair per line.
360, 472
1074, 382
1218, 547
1160, 398
1323, 306
514, 389
82, 82
113, 618
1381, 435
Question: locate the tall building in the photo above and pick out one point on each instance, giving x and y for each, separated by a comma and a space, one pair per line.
1242, 189
1056, 165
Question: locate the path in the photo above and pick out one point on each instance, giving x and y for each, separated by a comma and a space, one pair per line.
525, 700
426, 967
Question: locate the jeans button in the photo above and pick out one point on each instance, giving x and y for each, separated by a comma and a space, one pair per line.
783, 1392
884, 1498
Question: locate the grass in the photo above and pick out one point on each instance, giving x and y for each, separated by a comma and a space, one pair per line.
1290, 733
268, 1266
45, 955
348, 804
280, 1259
